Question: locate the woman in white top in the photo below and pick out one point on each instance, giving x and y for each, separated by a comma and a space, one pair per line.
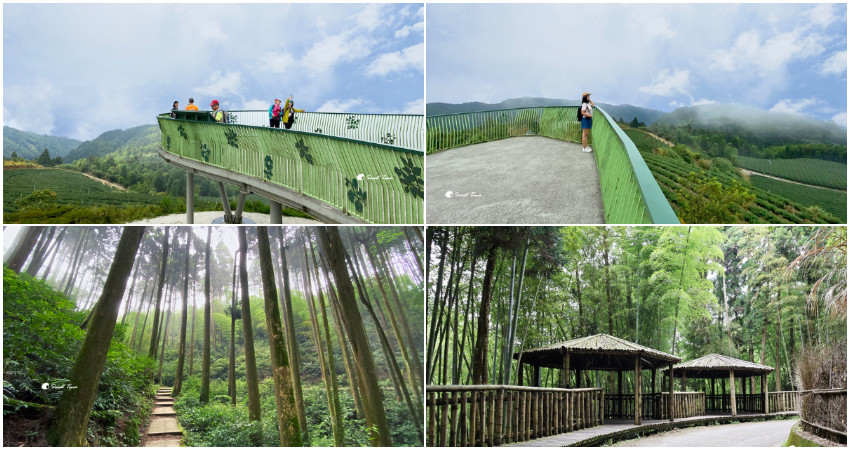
586, 120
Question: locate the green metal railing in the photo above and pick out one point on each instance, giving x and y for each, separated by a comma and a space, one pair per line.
375, 182
630, 193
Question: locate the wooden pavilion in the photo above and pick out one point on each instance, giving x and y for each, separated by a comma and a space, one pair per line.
600, 352
716, 367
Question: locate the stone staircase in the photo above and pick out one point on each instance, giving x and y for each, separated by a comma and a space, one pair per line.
164, 431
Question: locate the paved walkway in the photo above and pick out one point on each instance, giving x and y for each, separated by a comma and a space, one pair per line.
521, 180
772, 433
618, 429
164, 431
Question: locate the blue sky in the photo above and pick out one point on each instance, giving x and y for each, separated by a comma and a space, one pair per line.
780, 57
79, 70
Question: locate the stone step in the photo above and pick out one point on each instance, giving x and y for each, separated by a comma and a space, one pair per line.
164, 411
164, 403
164, 426
170, 442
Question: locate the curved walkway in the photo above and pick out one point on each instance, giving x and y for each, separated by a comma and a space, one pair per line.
772, 433
521, 180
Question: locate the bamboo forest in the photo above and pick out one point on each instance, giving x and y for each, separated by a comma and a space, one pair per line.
559, 336
213, 336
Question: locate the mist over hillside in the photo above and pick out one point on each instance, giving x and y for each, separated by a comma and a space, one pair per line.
764, 126
141, 137
626, 112
29, 145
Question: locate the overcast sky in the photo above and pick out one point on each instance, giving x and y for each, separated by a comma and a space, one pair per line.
781, 57
79, 70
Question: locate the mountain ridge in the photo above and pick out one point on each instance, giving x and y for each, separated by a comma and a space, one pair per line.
29, 145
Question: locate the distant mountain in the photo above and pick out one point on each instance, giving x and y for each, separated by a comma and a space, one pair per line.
141, 137
29, 145
763, 126
626, 112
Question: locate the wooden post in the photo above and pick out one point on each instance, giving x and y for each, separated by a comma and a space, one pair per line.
536, 376
519, 374
578, 377
432, 418
473, 420
764, 392
670, 387
654, 404
732, 392
453, 421
744, 393
619, 409
275, 215
497, 431
637, 390
464, 424
684, 381
444, 418
566, 369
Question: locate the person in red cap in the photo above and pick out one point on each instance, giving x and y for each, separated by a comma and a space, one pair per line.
217, 113
274, 114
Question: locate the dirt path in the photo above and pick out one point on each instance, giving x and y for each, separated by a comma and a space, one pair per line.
99, 180
750, 172
665, 141
163, 431
772, 433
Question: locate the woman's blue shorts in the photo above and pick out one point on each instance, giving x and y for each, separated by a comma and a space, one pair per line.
586, 123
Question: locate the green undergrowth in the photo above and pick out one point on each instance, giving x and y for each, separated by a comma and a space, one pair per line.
219, 424
41, 339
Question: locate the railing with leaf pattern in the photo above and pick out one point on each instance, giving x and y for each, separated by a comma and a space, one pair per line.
630, 193
374, 182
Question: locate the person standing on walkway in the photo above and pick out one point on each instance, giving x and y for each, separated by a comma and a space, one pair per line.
217, 113
586, 120
191, 106
174, 108
274, 114
289, 112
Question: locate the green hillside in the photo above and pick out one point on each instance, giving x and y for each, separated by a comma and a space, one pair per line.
144, 136
805, 170
833, 202
29, 145
709, 190
627, 112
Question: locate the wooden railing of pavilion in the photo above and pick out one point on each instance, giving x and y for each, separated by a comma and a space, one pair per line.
744, 402
654, 406
783, 401
488, 415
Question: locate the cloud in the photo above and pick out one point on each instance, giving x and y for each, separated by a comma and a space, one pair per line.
669, 84
703, 101
412, 57
30, 107
414, 107
835, 64
799, 106
220, 84
370, 17
337, 105
332, 50
840, 119
405, 30
767, 56
659, 27
276, 63
255, 105
822, 15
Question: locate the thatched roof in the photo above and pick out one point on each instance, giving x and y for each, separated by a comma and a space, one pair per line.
597, 352
718, 366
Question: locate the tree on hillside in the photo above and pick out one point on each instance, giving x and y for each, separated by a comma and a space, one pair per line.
181, 350
252, 379
287, 420
44, 158
205, 365
23, 248
71, 416
152, 349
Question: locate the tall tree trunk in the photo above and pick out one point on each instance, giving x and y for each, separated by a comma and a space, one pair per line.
181, 350
432, 333
139, 313
479, 356
252, 379
373, 403
71, 416
23, 248
337, 418
164, 262
41, 252
192, 337
679, 297
205, 362
59, 240
778, 370
287, 420
130, 295
291, 339
413, 250
231, 373
75, 260
164, 334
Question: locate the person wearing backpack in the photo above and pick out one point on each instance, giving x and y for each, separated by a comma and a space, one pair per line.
274, 114
586, 112
218, 114
289, 113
